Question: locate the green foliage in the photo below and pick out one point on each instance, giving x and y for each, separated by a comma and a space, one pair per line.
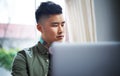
6, 58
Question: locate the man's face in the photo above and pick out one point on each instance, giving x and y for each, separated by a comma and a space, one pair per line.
53, 28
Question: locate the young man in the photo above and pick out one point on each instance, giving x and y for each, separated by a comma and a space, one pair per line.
34, 61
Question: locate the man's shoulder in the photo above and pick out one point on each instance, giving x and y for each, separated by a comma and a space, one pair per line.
27, 51
34, 50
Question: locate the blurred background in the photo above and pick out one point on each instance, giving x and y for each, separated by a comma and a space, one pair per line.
86, 21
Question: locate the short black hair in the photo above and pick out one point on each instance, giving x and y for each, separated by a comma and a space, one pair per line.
46, 9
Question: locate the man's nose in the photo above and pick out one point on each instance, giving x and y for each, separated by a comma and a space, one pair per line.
60, 29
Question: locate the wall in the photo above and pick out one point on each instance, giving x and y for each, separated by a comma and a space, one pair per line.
4, 72
107, 14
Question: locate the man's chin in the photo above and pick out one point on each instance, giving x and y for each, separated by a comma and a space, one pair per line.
60, 40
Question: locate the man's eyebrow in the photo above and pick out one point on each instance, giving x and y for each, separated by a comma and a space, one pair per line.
55, 22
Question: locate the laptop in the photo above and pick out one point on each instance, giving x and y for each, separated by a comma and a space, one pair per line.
85, 59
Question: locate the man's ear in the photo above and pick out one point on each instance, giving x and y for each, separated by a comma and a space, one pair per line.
39, 27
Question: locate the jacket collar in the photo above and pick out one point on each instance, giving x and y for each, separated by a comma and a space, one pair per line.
42, 49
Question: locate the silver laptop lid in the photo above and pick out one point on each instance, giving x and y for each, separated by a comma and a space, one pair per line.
88, 59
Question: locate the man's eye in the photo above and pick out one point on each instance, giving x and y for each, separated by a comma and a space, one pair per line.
62, 25
55, 25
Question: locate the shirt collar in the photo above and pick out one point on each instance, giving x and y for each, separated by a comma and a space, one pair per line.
43, 42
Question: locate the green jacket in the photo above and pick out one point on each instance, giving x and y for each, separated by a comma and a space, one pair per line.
35, 62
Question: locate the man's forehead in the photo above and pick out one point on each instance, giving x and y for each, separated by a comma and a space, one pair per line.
57, 22
58, 17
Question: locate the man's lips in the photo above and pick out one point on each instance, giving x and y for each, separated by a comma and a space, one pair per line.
60, 36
